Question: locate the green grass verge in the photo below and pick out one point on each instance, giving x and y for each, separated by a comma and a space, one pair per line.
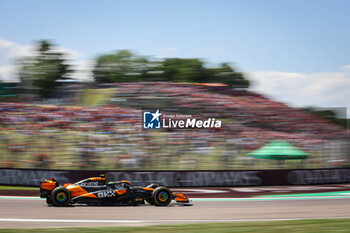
305, 226
17, 188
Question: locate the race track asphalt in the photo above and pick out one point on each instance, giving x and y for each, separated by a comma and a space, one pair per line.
34, 213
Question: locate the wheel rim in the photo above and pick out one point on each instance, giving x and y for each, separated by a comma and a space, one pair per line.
163, 196
61, 197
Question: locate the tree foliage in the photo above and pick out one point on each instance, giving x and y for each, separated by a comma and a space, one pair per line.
185, 70
226, 74
39, 74
329, 115
124, 66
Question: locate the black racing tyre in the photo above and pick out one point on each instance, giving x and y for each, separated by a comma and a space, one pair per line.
161, 196
60, 196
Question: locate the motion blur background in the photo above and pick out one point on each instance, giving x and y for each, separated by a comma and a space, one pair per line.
76, 76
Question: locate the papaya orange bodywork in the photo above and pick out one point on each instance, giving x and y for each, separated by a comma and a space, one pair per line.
121, 191
88, 192
76, 190
125, 181
147, 189
181, 197
66, 185
97, 178
89, 195
48, 185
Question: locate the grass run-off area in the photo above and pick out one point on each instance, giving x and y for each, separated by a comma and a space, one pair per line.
17, 188
313, 225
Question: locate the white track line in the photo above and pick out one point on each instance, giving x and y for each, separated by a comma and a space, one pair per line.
21, 197
67, 220
152, 221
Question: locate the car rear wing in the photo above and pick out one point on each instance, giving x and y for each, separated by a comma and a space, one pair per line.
47, 186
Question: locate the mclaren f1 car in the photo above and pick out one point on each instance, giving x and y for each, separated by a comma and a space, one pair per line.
95, 191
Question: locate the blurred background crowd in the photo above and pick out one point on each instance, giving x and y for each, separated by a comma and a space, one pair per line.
50, 121
111, 136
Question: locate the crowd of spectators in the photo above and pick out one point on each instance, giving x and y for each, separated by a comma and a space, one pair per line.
111, 136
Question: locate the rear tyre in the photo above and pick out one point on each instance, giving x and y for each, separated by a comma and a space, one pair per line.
60, 196
161, 196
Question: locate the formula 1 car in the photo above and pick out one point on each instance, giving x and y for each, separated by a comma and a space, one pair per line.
95, 191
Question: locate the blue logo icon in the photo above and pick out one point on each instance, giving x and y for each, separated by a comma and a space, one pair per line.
151, 120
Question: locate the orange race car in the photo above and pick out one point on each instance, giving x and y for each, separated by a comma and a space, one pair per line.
95, 191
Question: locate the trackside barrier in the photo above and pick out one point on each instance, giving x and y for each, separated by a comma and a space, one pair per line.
32, 177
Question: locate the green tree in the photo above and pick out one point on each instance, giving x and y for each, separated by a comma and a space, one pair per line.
124, 66
226, 74
39, 74
185, 70
329, 115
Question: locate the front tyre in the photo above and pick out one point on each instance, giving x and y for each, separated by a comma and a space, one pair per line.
60, 196
161, 196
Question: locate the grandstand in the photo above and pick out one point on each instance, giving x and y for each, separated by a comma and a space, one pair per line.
111, 137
